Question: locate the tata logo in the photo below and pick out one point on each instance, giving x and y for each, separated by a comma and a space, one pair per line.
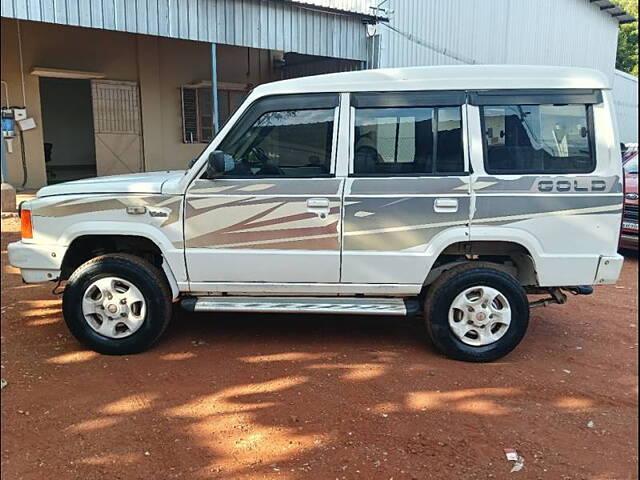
572, 185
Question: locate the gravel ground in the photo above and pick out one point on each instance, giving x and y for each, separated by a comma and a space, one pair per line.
315, 397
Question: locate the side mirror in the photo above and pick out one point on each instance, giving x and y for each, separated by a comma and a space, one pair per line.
218, 163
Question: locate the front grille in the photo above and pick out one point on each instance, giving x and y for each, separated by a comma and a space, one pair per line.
631, 212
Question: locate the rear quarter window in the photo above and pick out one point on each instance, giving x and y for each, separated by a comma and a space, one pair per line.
544, 139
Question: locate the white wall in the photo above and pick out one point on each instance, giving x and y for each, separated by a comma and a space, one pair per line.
625, 94
540, 32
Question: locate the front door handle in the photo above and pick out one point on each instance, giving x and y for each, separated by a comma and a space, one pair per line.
318, 203
445, 205
319, 206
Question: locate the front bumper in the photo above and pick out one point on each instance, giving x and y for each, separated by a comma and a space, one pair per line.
37, 263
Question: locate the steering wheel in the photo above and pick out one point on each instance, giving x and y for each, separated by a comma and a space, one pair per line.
266, 167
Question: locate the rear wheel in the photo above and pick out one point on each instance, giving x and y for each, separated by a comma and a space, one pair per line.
117, 304
476, 313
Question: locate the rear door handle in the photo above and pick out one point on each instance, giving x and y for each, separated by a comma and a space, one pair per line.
445, 205
318, 203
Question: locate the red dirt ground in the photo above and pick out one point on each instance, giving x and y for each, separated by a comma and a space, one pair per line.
315, 397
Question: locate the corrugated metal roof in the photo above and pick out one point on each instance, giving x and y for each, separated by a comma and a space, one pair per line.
363, 7
370, 7
615, 11
267, 24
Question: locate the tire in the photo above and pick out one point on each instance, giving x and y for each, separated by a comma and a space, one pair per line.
465, 285
141, 298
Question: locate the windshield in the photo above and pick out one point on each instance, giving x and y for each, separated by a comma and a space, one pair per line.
631, 166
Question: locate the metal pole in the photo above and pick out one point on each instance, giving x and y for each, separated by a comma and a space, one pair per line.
214, 87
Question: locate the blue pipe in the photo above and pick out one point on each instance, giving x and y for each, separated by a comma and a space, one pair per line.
214, 87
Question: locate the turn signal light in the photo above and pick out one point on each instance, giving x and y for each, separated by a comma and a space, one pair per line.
25, 224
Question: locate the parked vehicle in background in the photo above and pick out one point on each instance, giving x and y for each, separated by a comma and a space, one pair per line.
629, 150
629, 232
451, 191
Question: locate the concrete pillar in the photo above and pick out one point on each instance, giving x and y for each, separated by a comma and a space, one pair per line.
33, 139
8, 193
150, 102
8, 196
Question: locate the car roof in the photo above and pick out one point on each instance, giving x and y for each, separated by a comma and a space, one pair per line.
452, 77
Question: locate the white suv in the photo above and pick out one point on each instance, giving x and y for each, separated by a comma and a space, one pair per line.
451, 191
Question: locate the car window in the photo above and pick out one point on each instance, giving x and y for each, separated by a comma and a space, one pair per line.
408, 141
520, 139
285, 143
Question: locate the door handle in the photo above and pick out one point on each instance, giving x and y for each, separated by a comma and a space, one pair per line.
318, 203
445, 205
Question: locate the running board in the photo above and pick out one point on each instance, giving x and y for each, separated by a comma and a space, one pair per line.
326, 305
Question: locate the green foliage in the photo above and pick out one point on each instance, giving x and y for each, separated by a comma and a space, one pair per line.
627, 55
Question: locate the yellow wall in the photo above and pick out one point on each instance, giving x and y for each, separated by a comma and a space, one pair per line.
160, 65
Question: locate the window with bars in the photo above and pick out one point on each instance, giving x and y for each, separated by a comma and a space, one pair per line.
197, 111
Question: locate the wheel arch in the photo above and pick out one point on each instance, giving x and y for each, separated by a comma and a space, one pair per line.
515, 253
85, 246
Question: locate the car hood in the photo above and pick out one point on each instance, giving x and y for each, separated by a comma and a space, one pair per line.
132, 183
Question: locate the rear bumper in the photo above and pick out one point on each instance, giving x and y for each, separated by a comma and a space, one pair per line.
609, 268
37, 263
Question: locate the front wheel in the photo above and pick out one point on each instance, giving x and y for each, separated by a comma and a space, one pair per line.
117, 304
476, 313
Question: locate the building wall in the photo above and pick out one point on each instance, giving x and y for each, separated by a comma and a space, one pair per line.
160, 65
263, 24
625, 94
540, 32
45, 45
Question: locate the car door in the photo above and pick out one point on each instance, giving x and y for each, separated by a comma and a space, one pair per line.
275, 216
407, 194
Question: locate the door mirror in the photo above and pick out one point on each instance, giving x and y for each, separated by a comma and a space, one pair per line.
219, 163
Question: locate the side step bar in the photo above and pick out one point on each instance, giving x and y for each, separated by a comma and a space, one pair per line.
326, 305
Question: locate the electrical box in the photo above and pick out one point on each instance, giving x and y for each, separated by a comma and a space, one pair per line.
27, 124
8, 123
19, 113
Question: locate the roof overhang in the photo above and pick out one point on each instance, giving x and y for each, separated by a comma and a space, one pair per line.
614, 10
199, 21
329, 6
63, 73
